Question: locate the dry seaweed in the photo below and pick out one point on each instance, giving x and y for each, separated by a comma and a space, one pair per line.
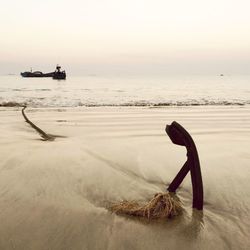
163, 205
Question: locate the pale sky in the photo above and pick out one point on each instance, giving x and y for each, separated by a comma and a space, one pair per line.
179, 36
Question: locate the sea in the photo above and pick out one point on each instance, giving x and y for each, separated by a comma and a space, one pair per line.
119, 90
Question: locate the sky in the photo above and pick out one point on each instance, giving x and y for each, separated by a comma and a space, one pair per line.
157, 36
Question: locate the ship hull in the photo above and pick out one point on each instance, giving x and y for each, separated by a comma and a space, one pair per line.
37, 74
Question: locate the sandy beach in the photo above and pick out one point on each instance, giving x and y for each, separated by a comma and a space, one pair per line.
54, 194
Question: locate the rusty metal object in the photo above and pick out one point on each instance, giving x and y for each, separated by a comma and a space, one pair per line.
180, 136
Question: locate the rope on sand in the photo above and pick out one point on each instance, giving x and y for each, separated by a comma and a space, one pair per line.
45, 136
163, 205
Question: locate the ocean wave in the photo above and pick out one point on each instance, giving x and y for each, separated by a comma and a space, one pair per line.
29, 90
12, 104
42, 90
43, 102
165, 104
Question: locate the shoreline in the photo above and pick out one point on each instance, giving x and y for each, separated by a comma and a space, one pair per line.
53, 195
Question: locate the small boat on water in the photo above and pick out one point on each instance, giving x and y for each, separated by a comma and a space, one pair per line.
57, 74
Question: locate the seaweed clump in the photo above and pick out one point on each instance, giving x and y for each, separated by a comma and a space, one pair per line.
163, 205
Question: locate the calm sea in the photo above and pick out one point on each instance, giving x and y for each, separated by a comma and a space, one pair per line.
97, 90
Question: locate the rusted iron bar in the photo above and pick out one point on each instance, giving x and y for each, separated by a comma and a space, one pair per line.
180, 136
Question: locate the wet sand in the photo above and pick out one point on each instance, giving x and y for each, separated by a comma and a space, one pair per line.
53, 194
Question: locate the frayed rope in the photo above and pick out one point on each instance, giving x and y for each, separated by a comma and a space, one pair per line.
163, 205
